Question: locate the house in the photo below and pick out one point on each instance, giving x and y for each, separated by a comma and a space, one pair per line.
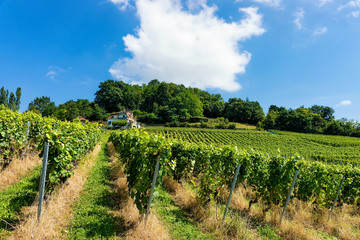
123, 115
82, 119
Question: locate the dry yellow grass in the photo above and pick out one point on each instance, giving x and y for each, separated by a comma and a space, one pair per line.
302, 220
209, 219
58, 209
152, 230
17, 169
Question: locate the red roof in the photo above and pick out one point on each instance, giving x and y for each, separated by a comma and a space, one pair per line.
81, 118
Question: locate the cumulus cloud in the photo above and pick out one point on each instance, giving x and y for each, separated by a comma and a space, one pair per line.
299, 15
272, 3
320, 30
121, 4
343, 103
174, 45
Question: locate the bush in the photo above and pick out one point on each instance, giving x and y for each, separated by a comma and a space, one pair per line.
220, 125
231, 126
185, 124
204, 125
119, 123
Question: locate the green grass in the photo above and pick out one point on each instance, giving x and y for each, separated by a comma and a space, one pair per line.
21, 194
268, 233
179, 226
92, 213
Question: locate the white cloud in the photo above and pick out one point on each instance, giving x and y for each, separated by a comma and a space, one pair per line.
121, 4
320, 30
299, 15
343, 103
174, 45
354, 14
350, 4
324, 2
272, 3
53, 71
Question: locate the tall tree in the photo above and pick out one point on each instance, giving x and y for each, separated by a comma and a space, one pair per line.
12, 102
4, 97
18, 96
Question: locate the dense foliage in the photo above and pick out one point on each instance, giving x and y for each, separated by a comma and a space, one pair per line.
69, 110
69, 141
140, 152
270, 176
160, 102
333, 149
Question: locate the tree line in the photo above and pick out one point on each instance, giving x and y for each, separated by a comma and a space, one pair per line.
161, 102
316, 119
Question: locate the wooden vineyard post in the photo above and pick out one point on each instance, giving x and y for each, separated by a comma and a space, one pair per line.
42, 180
289, 194
152, 187
337, 196
232, 189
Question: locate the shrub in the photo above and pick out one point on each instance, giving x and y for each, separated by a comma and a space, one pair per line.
119, 123
220, 125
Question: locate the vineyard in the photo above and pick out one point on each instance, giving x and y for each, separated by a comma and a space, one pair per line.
269, 176
203, 161
25, 133
332, 149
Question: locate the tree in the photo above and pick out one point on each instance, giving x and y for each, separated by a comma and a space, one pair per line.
12, 102
327, 113
4, 97
44, 105
18, 96
110, 95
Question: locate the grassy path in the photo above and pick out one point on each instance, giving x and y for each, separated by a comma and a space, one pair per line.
93, 218
14, 198
179, 226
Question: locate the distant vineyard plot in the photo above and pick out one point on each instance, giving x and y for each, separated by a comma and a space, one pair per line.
313, 146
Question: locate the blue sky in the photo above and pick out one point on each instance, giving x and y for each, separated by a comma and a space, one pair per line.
282, 52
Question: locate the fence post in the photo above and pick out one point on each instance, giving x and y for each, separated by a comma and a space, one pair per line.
232, 189
289, 194
42, 180
152, 187
337, 196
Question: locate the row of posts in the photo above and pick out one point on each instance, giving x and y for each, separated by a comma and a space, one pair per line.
43, 180
233, 187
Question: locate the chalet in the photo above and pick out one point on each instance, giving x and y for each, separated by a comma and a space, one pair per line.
123, 115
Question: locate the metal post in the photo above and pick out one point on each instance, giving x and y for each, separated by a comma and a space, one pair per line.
152, 187
42, 180
290, 191
337, 195
232, 189
27, 132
